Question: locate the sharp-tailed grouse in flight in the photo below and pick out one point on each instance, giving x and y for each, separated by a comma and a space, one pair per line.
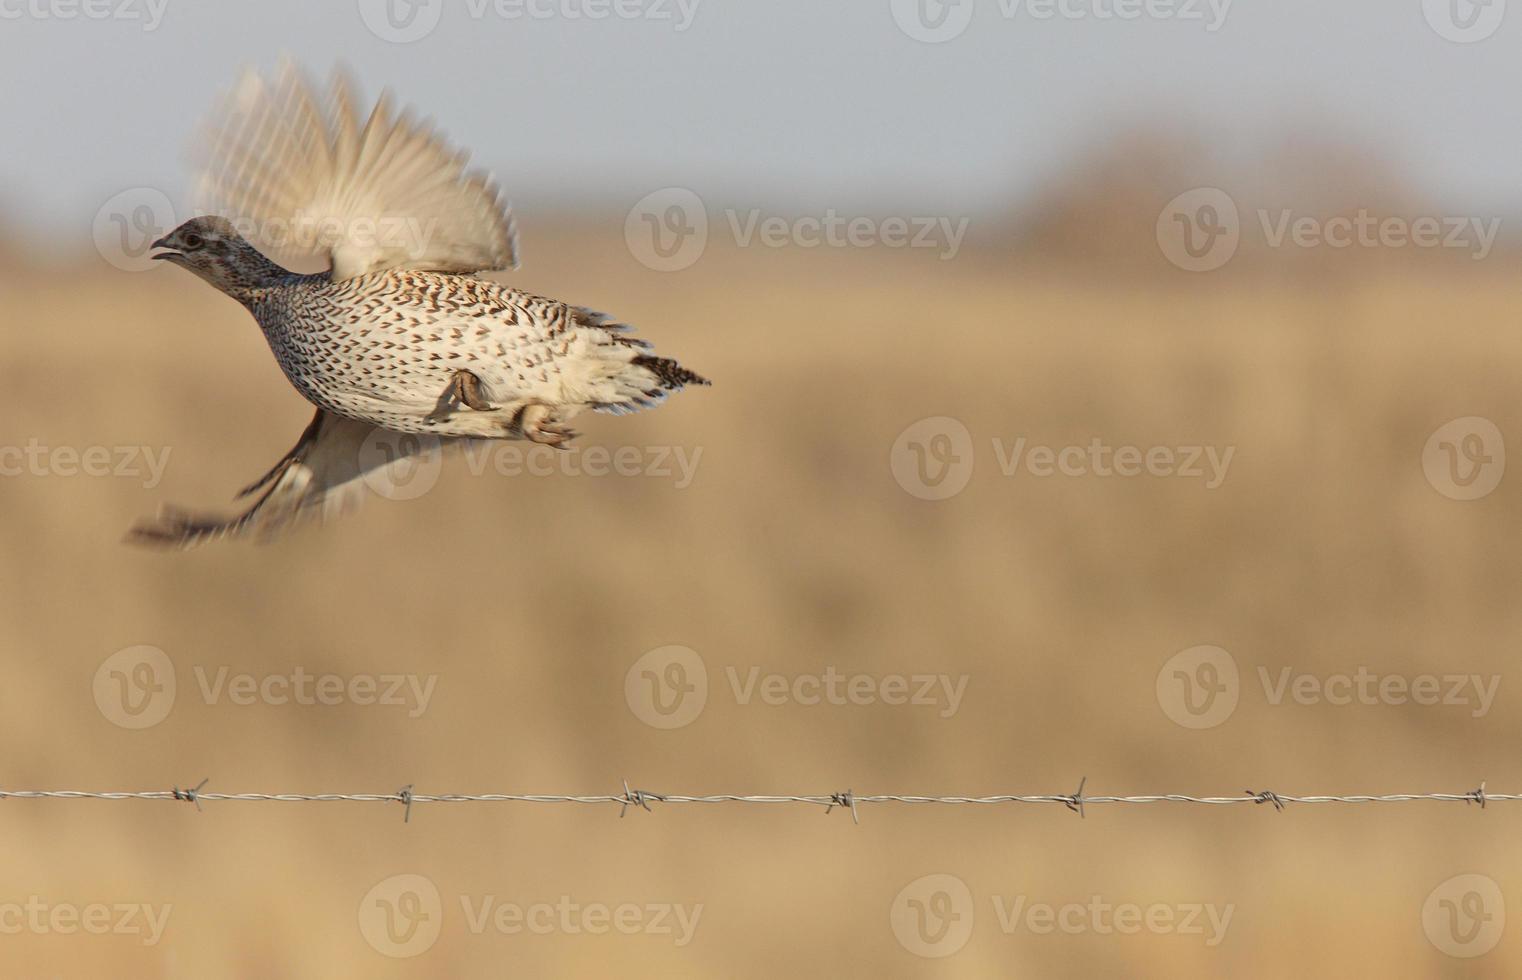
399, 335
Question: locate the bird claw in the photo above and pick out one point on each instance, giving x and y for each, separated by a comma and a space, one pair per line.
539, 425
464, 390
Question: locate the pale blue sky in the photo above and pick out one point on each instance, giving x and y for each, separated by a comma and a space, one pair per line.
785, 104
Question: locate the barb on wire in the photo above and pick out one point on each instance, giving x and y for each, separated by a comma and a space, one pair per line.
637, 797
192, 795
1076, 801
847, 800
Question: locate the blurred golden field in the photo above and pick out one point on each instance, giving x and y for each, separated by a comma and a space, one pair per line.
793, 550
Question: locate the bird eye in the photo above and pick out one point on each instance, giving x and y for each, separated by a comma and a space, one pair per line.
194, 241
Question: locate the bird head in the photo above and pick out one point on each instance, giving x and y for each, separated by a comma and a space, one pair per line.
211, 247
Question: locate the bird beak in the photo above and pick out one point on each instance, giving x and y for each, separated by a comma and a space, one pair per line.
169, 252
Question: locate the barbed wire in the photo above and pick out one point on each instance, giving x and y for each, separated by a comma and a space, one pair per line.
1076, 801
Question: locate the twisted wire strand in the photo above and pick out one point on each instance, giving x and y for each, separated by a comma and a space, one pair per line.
643, 799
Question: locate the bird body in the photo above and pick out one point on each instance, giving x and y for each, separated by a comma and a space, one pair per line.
382, 348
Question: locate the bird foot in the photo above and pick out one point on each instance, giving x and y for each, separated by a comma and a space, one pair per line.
464, 389
539, 424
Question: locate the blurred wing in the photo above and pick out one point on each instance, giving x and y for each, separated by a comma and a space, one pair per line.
301, 180
324, 477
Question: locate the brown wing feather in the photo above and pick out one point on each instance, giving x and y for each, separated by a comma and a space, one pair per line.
323, 477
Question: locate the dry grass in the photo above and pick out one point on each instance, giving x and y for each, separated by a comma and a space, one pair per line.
794, 550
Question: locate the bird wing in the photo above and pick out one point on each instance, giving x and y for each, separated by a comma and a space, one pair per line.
301, 179
327, 474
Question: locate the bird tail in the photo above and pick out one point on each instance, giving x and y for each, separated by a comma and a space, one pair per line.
633, 379
672, 376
